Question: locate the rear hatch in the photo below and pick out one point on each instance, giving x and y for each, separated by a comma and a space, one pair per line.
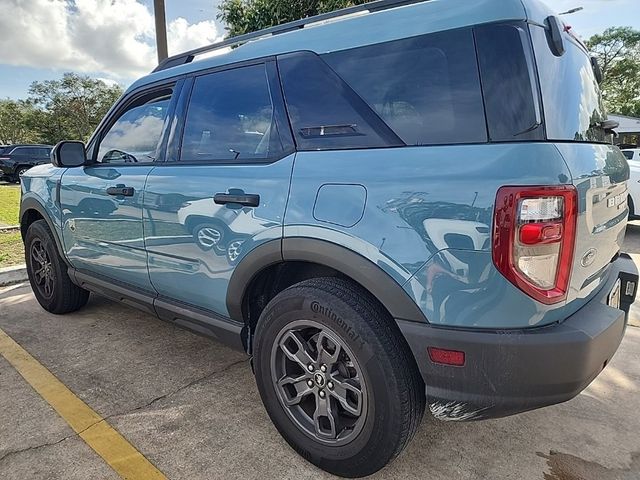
574, 116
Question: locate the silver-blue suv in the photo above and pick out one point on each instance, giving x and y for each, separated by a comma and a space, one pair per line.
399, 206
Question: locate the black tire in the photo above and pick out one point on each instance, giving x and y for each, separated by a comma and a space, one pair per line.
391, 383
632, 213
19, 172
62, 295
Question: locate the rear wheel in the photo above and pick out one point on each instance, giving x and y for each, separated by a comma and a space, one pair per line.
336, 376
47, 272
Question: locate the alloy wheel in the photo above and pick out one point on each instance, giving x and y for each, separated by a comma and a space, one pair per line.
319, 382
42, 269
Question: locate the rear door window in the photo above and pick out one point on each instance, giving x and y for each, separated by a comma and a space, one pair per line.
628, 154
426, 88
509, 83
231, 118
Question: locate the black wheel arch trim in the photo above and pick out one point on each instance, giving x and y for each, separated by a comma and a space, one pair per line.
31, 203
379, 283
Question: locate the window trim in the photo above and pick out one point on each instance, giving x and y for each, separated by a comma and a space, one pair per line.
121, 107
174, 148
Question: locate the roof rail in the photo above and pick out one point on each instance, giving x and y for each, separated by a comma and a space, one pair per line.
188, 57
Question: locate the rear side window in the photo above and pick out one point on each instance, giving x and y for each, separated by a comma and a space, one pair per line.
325, 113
426, 88
509, 83
231, 117
628, 154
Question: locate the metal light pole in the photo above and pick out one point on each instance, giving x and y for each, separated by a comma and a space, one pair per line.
161, 29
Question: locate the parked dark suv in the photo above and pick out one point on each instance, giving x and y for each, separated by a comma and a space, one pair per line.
17, 159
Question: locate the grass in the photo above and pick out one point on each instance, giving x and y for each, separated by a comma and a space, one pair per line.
9, 204
11, 249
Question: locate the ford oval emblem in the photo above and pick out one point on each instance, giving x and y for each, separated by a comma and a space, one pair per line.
588, 257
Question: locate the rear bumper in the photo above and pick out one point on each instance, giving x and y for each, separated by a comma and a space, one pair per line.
508, 372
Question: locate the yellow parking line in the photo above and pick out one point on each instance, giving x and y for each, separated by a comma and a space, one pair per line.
119, 454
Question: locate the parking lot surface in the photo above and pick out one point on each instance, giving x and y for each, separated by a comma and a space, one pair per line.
191, 408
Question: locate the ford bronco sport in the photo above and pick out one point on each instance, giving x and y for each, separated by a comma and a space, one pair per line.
398, 206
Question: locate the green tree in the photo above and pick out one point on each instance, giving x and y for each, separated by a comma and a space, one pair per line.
16, 125
618, 53
69, 108
244, 16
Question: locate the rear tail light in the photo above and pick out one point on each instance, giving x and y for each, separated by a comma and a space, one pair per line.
533, 239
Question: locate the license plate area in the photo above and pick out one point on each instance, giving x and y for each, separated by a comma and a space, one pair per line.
614, 295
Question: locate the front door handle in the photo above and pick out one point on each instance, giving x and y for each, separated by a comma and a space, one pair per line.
246, 199
121, 191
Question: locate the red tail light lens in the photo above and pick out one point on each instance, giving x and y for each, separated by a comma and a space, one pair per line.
533, 239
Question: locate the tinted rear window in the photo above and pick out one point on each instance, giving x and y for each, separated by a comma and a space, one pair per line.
508, 83
324, 112
426, 88
570, 93
628, 154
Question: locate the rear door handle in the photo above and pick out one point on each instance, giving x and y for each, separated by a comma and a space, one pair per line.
246, 199
121, 191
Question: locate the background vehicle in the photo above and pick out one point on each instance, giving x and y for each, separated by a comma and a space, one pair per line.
633, 158
17, 159
423, 207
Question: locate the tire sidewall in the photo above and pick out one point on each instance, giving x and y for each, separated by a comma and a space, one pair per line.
337, 315
39, 231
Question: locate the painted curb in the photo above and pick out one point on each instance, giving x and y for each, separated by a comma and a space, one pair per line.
16, 274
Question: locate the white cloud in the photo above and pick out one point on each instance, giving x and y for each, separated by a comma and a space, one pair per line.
114, 38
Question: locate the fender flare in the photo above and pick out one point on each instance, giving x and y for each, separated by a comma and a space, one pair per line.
362, 270
31, 203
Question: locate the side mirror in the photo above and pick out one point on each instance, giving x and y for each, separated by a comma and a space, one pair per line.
68, 154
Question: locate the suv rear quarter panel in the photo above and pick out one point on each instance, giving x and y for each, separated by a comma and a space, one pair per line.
427, 221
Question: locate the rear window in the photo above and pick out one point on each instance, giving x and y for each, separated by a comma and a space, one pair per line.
571, 97
628, 154
426, 88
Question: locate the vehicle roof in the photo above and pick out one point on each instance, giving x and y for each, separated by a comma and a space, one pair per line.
364, 29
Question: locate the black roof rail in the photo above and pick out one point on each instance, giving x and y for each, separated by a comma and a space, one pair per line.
187, 57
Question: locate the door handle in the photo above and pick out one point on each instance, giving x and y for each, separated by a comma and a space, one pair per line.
121, 191
246, 199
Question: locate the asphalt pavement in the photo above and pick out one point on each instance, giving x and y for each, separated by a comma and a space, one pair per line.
190, 407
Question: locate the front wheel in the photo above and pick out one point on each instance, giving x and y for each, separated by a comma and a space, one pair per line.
47, 272
336, 376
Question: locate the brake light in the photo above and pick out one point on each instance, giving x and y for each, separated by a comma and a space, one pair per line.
533, 239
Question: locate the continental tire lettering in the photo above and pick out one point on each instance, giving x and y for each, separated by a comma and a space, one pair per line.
316, 307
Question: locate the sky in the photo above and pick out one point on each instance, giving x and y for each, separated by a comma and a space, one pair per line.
114, 39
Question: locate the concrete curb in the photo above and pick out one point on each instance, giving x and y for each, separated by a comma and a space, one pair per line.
10, 228
16, 274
